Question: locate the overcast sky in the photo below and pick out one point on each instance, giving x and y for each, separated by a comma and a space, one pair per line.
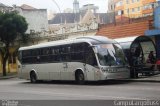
63, 4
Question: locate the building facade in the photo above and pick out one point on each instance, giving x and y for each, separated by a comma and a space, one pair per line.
111, 6
91, 7
134, 8
83, 26
37, 18
37, 25
4, 8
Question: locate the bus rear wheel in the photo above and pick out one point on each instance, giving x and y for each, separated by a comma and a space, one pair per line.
33, 77
80, 78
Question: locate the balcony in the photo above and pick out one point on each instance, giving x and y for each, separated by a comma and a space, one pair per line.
119, 8
147, 11
148, 1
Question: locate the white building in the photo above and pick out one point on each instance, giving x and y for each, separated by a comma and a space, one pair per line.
87, 25
36, 18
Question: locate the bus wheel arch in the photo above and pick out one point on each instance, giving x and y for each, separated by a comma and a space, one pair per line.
33, 76
79, 77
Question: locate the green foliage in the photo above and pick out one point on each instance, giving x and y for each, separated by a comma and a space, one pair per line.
12, 27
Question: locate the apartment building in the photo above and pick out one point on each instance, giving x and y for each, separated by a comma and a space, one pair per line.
133, 8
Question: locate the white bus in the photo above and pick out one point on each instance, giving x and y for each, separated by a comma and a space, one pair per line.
91, 58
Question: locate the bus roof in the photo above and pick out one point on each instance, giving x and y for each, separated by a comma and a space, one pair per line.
92, 40
126, 39
133, 39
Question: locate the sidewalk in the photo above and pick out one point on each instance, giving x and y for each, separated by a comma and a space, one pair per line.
151, 78
9, 75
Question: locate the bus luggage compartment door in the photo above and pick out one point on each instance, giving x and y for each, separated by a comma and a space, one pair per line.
64, 71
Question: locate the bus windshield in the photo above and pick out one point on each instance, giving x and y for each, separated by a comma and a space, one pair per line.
111, 54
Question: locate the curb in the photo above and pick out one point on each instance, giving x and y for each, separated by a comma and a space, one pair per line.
141, 80
149, 79
136, 80
8, 77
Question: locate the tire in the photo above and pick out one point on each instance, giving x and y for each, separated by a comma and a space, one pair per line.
80, 78
33, 77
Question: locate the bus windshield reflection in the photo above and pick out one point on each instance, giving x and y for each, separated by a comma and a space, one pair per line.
111, 54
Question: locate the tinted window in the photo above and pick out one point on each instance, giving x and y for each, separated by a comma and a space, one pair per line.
64, 53
90, 57
77, 52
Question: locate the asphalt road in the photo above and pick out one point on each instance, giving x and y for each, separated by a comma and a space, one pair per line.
17, 89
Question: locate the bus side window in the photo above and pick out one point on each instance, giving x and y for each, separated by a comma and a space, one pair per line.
38, 59
77, 52
34, 54
69, 49
57, 55
52, 51
26, 56
65, 53
90, 57
44, 55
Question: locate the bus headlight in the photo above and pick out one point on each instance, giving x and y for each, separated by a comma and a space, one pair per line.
103, 70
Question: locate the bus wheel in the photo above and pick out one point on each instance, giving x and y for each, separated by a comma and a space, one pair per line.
80, 77
33, 77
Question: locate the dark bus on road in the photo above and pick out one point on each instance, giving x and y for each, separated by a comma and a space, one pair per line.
137, 50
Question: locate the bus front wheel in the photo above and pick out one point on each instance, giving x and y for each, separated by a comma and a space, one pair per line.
33, 77
80, 77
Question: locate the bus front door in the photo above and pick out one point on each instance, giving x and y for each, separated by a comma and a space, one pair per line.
89, 66
89, 72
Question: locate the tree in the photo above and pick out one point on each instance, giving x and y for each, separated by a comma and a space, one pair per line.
12, 27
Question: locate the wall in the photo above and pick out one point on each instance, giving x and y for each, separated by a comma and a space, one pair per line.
36, 19
58, 32
124, 30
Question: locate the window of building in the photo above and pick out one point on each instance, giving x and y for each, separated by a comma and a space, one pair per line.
149, 6
127, 1
133, 10
127, 11
120, 3
120, 12
138, 8
112, 7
